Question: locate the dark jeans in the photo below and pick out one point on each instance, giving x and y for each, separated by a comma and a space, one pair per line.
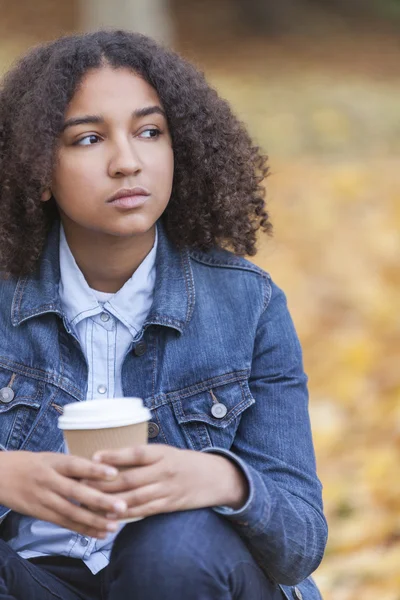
192, 555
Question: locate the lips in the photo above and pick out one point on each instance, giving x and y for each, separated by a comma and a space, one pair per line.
129, 198
129, 193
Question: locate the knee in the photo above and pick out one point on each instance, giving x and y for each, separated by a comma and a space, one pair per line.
183, 544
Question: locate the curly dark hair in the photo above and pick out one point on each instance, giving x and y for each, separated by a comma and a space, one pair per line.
217, 197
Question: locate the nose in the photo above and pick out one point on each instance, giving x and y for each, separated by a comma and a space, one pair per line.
124, 159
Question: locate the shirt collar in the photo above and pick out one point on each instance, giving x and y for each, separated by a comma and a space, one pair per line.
130, 304
174, 293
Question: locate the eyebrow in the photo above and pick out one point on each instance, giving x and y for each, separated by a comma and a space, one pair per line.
97, 119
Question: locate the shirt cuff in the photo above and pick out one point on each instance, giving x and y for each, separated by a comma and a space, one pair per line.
253, 512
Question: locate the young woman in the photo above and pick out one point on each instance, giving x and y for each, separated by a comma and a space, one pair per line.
129, 194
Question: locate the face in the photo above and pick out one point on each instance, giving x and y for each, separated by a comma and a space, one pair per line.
114, 167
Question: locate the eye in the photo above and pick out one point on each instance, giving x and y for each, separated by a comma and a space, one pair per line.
88, 140
152, 132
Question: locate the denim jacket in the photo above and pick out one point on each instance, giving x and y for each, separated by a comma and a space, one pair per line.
219, 365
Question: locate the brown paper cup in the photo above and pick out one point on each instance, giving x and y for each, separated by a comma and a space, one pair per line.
85, 441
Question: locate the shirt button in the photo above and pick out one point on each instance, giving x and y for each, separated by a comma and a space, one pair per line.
154, 430
105, 317
84, 541
140, 348
219, 410
297, 594
6, 395
102, 389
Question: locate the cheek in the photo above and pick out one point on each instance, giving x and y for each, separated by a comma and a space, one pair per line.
71, 179
165, 170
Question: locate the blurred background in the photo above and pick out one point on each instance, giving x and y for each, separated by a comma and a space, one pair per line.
317, 82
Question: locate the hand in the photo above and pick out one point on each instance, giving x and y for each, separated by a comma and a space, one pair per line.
45, 485
159, 478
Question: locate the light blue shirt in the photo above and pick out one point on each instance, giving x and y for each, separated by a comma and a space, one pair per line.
105, 325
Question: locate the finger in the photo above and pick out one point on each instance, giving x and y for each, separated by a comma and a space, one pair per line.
143, 495
129, 457
111, 516
90, 497
53, 517
130, 479
86, 520
102, 486
161, 505
98, 484
81, 468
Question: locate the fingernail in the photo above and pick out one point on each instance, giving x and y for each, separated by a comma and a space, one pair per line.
96, 458
111, 472
112, 526
120, 506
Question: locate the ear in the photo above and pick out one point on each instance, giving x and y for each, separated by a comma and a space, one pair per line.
46, 195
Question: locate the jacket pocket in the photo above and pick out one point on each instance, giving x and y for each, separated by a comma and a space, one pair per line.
211, 417
20, 400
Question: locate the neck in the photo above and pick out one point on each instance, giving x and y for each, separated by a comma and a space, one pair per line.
107, 261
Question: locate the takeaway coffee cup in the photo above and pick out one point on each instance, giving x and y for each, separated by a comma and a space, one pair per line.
99, 424
95, 425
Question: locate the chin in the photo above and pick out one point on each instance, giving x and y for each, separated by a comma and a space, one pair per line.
131, 229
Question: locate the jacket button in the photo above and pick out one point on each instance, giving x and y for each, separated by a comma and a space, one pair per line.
6, 395
297, 594
154, 430
219, 410
140, 348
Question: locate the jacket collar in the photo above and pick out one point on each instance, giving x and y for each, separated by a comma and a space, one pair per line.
174, 293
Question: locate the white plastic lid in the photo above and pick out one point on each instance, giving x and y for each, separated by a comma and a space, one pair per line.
101, 414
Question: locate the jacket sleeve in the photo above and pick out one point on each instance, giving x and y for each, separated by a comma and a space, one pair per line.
282, 521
